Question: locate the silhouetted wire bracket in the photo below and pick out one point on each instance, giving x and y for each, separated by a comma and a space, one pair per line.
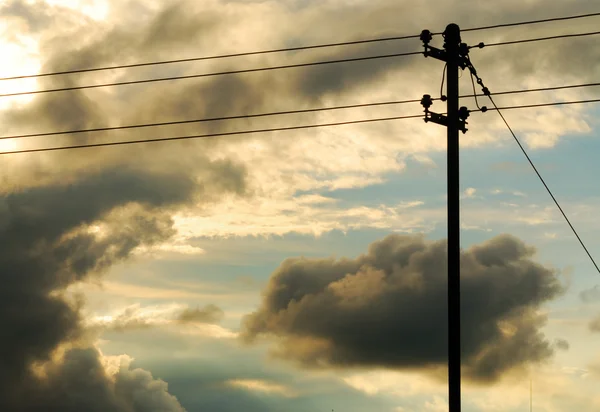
439, 54
473, 71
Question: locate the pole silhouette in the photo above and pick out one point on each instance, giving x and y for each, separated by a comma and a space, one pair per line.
454, 55
451, 45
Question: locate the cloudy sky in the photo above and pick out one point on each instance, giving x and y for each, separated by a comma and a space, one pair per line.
300, 270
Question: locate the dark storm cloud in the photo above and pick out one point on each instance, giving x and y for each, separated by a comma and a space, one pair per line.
48, 205
590, 295
46, 248
387, 308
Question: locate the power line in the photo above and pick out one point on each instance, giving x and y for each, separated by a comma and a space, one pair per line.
544, 183
280, 50
215, 57
195, 76
311, 110
539, 89
528, 106
561, 36
496, 26
164, 139
255, 130
211, 119
289, 66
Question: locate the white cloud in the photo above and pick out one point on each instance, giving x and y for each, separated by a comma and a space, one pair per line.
470, 192
94, 9
178, 248
315, 216
263, 386
209, 331
400, 384
137, 315
550, 384
438, 404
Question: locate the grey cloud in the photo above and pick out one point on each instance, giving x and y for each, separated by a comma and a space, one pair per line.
590, 295
561, 344
37, 15
208, 314
321, 81
179, 25
595, 325
595, 369
182, 24
47, 247
176, 22
81, 383
387, 308
133, 318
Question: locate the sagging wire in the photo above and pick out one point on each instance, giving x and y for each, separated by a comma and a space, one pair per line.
442, 95
474, 74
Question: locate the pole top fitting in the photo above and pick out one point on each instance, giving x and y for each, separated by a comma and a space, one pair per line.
463, 113
452, 33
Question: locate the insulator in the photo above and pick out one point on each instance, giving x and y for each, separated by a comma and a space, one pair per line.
426, 101
426, 36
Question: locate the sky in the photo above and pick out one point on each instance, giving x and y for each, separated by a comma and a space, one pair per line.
300, 270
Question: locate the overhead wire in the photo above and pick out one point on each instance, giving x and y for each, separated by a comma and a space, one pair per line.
286, 49
530, 106
215, 57
443, 80
560, 36
222, 73
212, 119
538, 89
309, 110
210, 135
267, 130
552, 19
288, 66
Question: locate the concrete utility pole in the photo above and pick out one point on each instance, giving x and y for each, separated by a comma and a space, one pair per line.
455, 120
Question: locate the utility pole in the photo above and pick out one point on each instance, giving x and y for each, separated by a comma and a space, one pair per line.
454, 56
